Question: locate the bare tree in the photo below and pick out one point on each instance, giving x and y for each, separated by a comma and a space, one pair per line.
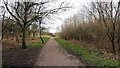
24, 16
25, 13
3, 19
107, 13
47, 13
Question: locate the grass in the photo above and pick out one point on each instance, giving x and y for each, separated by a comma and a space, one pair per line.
91, 57
38, 43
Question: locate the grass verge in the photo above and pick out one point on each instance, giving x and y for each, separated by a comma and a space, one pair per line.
89, 57
38, 43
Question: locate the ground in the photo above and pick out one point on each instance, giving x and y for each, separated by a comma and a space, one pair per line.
20, 57
51, 54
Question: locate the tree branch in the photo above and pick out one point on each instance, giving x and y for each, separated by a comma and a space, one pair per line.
6, 5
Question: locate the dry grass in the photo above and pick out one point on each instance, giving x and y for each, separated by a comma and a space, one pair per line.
11, 43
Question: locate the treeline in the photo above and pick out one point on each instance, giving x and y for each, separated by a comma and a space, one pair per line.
12, 31
98, 25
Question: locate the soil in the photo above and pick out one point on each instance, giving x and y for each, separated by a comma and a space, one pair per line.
20, 57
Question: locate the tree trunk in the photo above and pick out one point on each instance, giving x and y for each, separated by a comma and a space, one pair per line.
41, 37
34, 34
7, 37
113, 39
118, 36
113, 46
23, 39
29, 34
17, 38
2, 36
40, 31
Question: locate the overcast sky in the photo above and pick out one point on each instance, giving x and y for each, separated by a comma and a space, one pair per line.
77, 5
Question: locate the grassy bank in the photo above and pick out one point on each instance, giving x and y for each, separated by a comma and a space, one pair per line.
38, 43
90, 57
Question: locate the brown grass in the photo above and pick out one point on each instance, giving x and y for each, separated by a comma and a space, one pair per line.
11, 43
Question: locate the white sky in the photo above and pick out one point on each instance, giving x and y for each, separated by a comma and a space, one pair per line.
77, 4
57, 23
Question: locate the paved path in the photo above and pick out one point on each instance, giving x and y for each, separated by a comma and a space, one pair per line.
53, 55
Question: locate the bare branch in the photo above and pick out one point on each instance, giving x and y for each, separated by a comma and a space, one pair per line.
6, 5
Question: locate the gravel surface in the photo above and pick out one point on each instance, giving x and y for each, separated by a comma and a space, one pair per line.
54, 55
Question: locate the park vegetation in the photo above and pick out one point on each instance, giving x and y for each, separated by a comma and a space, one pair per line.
21, 19
96, 25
